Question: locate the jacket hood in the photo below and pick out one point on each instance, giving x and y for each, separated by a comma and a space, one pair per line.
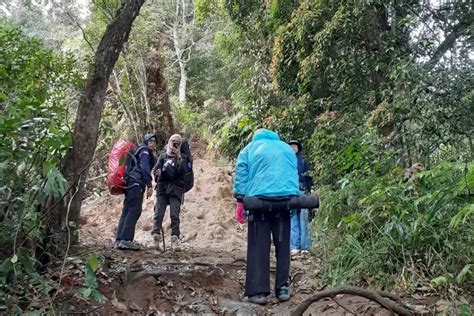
265, 134
297, 143
147, 137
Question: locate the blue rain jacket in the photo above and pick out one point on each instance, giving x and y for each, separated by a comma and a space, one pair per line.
266, 166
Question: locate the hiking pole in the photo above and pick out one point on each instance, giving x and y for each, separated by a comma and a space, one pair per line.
163, 238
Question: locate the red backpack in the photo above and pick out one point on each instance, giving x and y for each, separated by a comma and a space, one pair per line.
116, 179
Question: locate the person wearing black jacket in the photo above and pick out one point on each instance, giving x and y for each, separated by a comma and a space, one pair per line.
139, 177
169, 175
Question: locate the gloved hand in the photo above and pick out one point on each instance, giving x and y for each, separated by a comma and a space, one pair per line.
240, 213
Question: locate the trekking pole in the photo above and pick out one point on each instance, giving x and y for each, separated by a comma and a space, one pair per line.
162, 232
163, 238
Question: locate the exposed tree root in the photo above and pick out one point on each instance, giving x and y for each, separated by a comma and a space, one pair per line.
380, 297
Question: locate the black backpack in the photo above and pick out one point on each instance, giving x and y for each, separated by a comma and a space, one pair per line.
188, 173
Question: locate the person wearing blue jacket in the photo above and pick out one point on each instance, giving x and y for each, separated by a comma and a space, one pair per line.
300, 241
266, 167
139, 178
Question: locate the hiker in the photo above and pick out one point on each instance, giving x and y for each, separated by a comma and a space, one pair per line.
169, 174
139, 177
300, 240
266, 167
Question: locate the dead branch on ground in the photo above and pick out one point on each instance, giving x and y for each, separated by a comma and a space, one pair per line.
387, 300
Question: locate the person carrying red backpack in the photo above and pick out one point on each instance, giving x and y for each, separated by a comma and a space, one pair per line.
138, 178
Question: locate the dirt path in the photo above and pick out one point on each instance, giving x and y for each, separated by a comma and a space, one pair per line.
207, 275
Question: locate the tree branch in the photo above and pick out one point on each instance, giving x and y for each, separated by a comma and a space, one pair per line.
371, 295
84, 35
447, 44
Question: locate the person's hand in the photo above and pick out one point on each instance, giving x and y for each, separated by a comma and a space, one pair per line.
240, 213
176, 151
149, 192
157, 173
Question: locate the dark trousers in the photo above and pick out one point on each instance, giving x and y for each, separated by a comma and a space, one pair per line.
261, 225
160, 207
132, 209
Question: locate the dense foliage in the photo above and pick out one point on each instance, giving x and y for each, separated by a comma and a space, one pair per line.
35, 86
371, 88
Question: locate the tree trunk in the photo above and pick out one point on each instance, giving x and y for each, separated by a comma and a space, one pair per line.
86, 129
182, 82
471, 146
158, 95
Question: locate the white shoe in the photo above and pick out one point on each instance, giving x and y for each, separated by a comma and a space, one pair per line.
157, 241
294, 252
175, 243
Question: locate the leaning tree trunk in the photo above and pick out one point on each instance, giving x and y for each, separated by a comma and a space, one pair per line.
158, 94
86, 129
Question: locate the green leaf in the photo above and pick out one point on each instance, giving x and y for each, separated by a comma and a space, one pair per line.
26, 260
6, 266
441, 280
462, 215
465, 310
86, 292
461, 276
98, 297
55, 184
93, 262
90, 279
20, 168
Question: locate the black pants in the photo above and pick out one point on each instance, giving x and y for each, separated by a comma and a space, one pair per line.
261, 225
175, 207
132, 209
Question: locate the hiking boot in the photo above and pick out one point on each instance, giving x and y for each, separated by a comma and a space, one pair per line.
116, 244
175, 243
157, 240
128, 245
283, 294
258, 299
294, 253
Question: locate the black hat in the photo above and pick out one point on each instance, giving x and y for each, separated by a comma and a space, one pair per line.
297, 143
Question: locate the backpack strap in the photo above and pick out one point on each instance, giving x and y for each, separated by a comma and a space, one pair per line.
132, 160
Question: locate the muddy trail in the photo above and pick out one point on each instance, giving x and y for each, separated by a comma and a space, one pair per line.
207, 274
